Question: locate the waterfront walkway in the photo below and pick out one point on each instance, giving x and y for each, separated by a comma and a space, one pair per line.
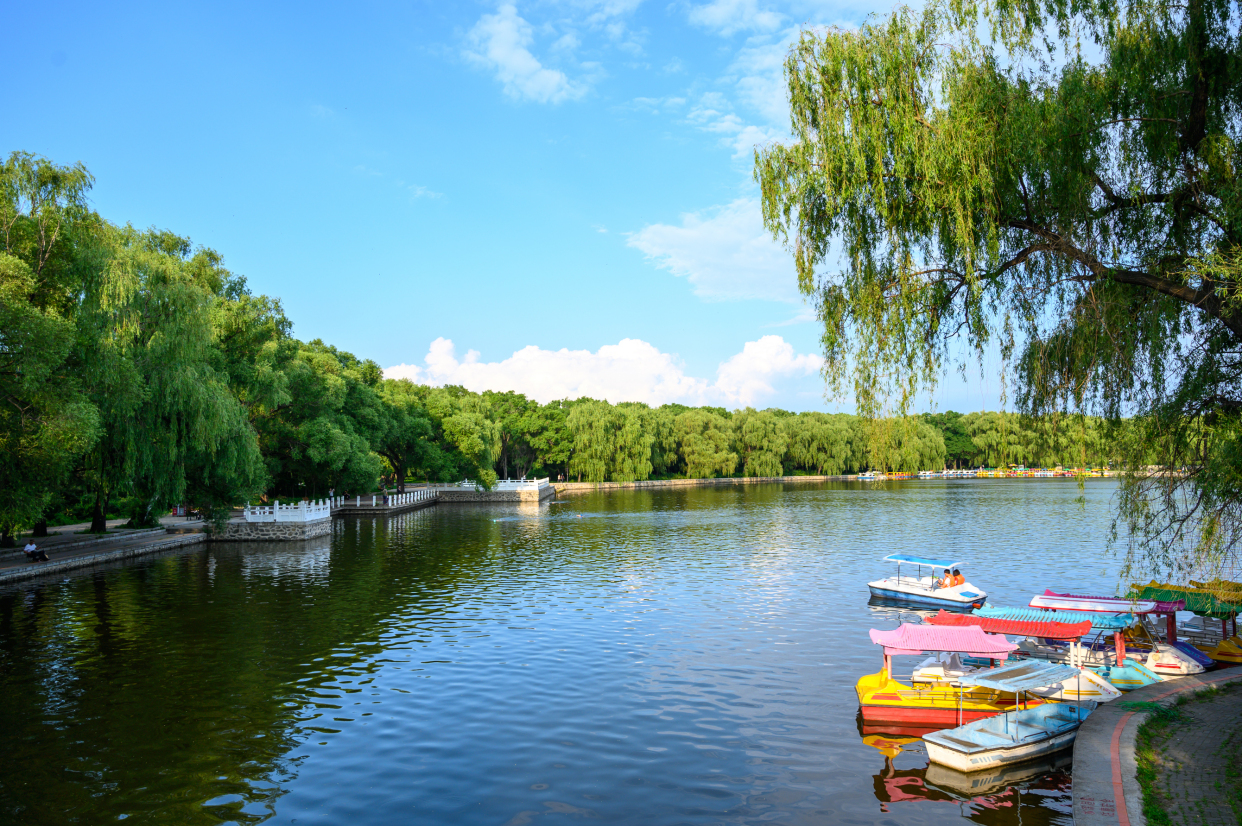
1106, 789
89, 554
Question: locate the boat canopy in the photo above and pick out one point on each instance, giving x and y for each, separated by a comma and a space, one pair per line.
1115, 622
1203, 603
1023, 628
915, 639
1021, 676
1124, 603
1094, 605
915, 559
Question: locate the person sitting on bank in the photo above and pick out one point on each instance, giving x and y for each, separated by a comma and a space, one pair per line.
33, 554
958, 579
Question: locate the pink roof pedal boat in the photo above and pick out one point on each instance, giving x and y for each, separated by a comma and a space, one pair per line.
884, 699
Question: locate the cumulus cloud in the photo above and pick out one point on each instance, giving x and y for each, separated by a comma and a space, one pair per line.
727, 17
501, 43
631, 370
725, 253
747, 377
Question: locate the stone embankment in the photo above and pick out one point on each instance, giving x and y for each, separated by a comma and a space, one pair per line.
91, 556
585, 487
1106, 787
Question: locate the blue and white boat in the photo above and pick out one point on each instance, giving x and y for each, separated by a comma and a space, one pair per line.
1014, 736
921, 589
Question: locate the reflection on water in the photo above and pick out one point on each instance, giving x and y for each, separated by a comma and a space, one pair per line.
683, 656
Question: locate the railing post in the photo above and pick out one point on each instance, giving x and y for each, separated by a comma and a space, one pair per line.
373, 500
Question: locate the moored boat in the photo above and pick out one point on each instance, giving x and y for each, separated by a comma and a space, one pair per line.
1015, 736
922, 590
1167, 659
882, 698
1122, 672
1088, 686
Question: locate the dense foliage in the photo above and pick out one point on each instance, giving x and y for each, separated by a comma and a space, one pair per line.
1055, 181
137, 372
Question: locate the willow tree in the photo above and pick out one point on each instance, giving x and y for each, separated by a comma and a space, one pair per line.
1054, 179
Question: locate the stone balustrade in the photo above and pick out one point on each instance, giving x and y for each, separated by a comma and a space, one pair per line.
502, 485
298, 512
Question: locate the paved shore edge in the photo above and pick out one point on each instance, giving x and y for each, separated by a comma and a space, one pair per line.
587, 487
1106, 790
74, 563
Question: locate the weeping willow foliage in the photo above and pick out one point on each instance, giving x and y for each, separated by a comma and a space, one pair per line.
947, 194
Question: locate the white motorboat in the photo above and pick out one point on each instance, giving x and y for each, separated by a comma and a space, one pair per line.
1014, 736
923, 590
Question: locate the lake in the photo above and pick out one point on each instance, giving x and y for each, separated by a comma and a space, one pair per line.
661, 656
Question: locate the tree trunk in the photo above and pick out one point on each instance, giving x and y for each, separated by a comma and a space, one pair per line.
40, 528
99, 522
6, 537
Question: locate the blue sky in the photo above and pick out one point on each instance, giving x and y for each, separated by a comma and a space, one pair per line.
552, 197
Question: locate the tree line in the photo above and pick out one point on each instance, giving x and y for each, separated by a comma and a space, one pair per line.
138, 372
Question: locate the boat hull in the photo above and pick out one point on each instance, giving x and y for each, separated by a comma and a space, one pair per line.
1017, 737
886, 701
992, 758
909, 596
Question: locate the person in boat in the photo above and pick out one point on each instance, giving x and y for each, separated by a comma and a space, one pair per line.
946, 581
958, 579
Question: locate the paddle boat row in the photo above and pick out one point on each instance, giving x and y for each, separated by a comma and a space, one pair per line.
1166, 659
923, 590
1026, 733
1217, 599
1089, 685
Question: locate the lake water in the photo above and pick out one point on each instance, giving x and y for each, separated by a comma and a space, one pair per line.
657, 657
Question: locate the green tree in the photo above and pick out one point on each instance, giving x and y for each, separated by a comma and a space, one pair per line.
149, 350
761, 442
406, 444
633, 442
1082, 213
819, 442
591, 424
706, 438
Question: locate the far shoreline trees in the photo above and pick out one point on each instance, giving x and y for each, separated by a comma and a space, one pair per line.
138, 373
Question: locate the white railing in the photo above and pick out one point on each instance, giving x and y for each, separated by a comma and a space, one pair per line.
520, 484
503, 484
395, 500
297, 512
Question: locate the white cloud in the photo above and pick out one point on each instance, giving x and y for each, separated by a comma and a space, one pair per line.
631, 370
726, 254
713, 113
747, 377
726, 17
417, 191
501, 42
760, 73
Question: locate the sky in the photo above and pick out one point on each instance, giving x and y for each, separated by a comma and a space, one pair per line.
550, 197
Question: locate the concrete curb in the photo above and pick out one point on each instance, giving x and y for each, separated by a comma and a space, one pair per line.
588, 487
1106, 789
57, 566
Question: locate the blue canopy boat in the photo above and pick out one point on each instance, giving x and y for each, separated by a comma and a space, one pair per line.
923, 590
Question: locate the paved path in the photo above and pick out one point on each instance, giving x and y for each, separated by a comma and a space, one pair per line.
92, 554
1194, 759
1106, 790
